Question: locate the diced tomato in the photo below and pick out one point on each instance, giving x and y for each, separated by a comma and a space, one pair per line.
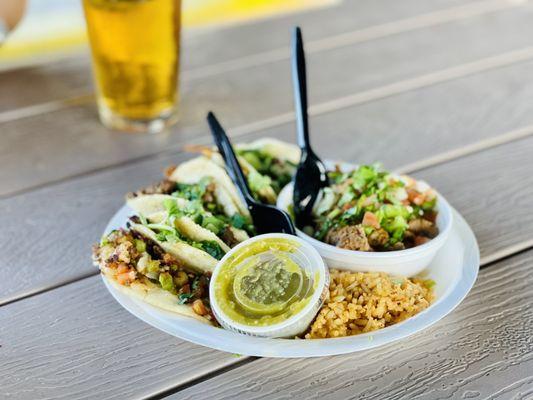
122, 268
370, 219
411, 194
419, 200
126, 278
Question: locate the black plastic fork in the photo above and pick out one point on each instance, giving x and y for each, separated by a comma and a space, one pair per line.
266, 218
311, 175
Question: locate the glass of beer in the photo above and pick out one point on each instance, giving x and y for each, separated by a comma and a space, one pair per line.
135, 49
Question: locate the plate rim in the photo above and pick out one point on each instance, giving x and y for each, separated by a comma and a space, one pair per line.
287, 348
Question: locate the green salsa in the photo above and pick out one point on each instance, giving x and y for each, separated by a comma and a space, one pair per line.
263, 283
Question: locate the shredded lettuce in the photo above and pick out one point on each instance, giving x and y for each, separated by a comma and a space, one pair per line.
258, 182
194, 191
213, 223
368, 189
280, 172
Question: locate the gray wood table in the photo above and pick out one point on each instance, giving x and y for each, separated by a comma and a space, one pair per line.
442, 89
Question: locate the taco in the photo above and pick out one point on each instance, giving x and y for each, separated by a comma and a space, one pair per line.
202, 170
271, 158
203, 199
190, 219
140, 267
268, 165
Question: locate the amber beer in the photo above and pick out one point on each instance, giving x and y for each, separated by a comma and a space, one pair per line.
135, 47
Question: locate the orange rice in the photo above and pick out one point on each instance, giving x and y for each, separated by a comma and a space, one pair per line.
364, 302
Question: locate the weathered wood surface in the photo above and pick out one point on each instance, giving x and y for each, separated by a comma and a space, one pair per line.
83, 314
405, 128
76, 342
441, 88
211, 52
362, 72
481, 350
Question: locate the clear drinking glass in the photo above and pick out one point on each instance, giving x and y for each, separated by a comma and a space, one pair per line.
135, 51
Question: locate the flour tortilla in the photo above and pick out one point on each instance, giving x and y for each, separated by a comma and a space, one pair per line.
147, 291
267, 193
153, 209
225, 192
276, 148
188, 255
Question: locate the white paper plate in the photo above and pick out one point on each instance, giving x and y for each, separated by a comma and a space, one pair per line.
454, 269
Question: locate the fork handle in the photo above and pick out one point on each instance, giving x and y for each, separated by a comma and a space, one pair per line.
300, 90
226, 150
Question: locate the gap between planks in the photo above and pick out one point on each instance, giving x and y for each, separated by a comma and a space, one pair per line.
314, 46
499, 256
436, 160
485, 262
356, 99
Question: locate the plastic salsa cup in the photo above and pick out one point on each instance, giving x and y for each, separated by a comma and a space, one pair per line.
272, 285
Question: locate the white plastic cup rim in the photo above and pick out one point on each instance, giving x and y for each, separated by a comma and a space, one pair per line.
297, 323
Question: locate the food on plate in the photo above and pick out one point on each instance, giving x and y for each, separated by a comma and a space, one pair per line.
272, 158
191, 248
268, 165
140, 267
267, 282
203, 181
364, 302
190, 219
369, 209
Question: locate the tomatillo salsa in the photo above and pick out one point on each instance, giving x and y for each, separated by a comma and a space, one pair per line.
263, 283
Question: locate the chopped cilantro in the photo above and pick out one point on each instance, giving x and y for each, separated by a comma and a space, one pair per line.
369, 189
184, 298
238, 221
212, 248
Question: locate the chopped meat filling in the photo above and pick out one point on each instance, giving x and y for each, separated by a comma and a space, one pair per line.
163, 187
348, 237
421, 226
228, 237
378, 238
132, 256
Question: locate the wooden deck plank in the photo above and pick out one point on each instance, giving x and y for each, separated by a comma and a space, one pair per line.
82, 345
82, 342
483, 349
71, 77
410, 127
56, 144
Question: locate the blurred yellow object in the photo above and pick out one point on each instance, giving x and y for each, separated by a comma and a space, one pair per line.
201, 13
135, 47
52, 27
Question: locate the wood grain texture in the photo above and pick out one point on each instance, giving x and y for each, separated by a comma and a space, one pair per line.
411, 126
72, 215
483, 349
56, 144
69, 77
87, 346
76, 342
